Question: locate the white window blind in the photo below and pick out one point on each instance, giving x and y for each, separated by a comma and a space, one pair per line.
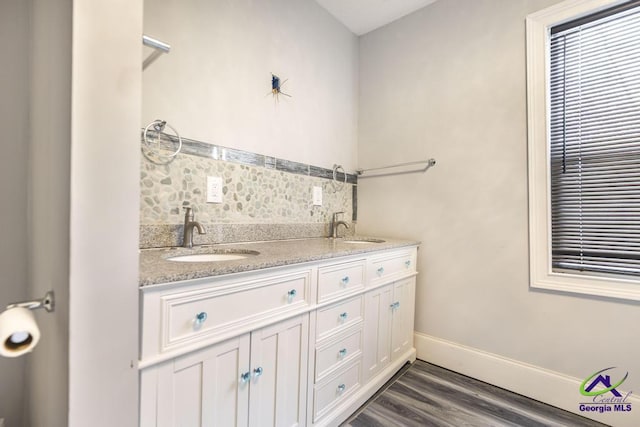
595, 143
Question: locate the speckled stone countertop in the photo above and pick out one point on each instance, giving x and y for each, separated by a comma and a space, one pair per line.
156, 269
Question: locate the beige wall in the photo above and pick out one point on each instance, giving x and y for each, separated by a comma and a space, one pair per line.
14, 122
214, 85
49, 147
105, 119
449, 82
36, 37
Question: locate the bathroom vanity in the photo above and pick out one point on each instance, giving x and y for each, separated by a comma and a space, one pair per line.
291, 333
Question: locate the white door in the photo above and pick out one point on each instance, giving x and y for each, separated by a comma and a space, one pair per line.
377, 324
205, 388
279, 373
403, 308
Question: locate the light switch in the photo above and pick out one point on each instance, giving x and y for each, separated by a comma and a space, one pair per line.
214, 189
317, 196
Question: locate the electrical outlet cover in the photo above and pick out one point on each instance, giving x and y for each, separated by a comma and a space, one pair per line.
214, 189
317, 196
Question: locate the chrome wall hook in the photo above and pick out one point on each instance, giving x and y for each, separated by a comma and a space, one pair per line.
47, 303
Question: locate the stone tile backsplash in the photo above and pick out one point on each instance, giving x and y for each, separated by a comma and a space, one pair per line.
251, 195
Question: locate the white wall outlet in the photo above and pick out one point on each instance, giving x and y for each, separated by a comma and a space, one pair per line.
317, 196
214, 189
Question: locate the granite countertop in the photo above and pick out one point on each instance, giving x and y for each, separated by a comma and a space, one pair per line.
156, 269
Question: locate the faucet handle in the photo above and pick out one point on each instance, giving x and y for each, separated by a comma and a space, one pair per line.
335, 215
188, 214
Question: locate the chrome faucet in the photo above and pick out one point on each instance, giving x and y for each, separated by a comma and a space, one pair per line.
189, 224
336, 223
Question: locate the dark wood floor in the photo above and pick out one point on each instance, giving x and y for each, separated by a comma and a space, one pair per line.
426, 395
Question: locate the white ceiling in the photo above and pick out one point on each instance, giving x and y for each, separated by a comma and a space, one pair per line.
362, 16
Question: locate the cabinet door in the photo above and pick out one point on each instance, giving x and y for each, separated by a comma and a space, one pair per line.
278, 391
377, 330
403, 307
204, 388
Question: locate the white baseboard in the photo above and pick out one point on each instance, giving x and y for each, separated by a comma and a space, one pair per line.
541, 384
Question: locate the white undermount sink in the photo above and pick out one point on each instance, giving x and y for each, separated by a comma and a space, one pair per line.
213, 256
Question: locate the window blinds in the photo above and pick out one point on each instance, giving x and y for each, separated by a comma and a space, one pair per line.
595, 144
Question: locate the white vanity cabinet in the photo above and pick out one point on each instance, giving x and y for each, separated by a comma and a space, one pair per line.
388, 331
300, 345
377, 330
257, 379
402, 316
361, 340
338, 332
278, 388
201, 388
227, 352
389, 310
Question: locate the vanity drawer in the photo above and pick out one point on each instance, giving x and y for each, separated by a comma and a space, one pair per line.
338, 317
329, 393
391, 266
335, 354
193, 316
335, 281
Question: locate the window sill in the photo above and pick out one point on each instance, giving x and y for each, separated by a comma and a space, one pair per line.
587, 285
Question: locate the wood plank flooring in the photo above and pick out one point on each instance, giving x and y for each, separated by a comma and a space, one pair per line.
424, 395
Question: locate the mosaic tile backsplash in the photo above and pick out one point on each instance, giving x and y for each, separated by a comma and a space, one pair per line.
252, 195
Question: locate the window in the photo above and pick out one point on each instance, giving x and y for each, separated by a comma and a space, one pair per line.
595, 143
583, 74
